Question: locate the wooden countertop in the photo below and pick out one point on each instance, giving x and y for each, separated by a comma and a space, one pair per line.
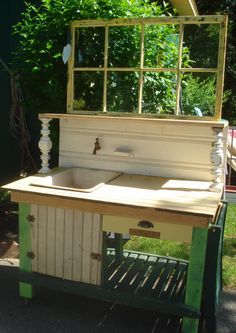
162, 199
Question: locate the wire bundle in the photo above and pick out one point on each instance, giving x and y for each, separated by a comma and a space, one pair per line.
18, 127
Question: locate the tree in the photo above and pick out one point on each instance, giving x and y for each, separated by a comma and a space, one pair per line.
227, 7
43, 32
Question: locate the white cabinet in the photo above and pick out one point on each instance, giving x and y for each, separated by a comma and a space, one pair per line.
66, 243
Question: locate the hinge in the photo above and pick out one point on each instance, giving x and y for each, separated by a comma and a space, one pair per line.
31, 255
96, 256
30, 218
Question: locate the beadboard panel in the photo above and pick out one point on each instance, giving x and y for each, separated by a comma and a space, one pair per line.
66, 243
165, 149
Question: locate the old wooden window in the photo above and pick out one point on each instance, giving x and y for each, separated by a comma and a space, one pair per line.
165, 66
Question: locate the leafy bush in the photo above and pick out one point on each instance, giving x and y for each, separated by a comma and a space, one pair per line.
199, 91
4, 196
199, 94
226, 7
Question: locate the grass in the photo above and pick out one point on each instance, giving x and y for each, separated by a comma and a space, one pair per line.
181, 250
229, 251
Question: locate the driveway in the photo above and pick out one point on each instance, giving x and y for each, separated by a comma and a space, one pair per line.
58, 312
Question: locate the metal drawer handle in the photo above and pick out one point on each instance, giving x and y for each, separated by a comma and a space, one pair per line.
145, 224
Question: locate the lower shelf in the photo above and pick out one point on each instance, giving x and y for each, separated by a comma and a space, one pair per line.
139, 280
147, 275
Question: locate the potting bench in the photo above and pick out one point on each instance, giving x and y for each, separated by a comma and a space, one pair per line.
169, 184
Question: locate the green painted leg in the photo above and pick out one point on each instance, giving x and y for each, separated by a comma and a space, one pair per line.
104, 258
26, 289
119, 247
195, 279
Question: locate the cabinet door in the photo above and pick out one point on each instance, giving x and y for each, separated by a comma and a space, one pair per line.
67, 244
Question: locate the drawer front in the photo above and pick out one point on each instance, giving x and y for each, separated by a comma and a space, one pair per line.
147, 228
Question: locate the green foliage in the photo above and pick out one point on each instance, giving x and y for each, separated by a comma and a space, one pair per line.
229, 251
199, 93
227, 7
161, 50
42, 34
229, 271
160, 247
4, 195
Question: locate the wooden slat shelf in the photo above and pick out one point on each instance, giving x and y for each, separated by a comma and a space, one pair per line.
147, 275
141, 280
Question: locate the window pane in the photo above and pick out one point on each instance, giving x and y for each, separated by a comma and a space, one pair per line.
124, 46
88, 91
202, 42
198, 94
122, 94
161, 46
159, 93
89, 47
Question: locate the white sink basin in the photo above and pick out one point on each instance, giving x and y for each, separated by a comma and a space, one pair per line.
76, 179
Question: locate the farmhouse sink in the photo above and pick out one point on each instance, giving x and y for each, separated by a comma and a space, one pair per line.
76, 179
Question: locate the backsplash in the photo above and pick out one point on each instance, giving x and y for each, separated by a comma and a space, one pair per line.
166, 148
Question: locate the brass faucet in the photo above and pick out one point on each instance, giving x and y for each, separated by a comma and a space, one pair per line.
96, 146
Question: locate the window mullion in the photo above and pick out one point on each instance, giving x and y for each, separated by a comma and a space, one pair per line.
70, 72
105, 68
140, 87
220, 69
178, 80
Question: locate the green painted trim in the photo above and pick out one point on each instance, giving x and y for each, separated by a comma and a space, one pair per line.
213, 271
110, 295
26, 290
195, 279
104, 257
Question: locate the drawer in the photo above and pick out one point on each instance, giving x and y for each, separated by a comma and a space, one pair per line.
147, 228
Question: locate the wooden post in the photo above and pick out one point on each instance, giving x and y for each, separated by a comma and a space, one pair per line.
45, 145
195, 279
118, 247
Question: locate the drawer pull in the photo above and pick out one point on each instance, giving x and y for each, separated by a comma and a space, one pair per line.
145, 224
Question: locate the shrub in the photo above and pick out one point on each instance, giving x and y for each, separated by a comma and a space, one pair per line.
43, 32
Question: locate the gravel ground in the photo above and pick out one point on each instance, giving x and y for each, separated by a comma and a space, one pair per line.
65, 313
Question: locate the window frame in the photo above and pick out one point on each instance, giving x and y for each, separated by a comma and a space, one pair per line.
181, 22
